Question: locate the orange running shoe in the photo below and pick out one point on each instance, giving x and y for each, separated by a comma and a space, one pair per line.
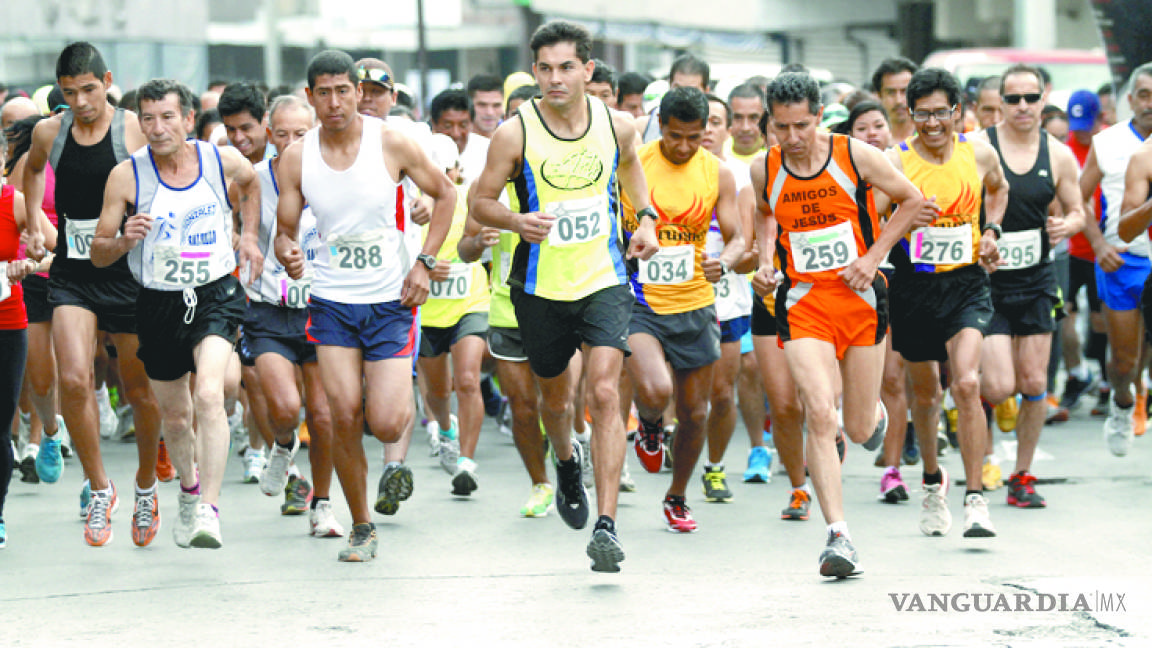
145, 519
798, 506
98, 524
165, 471
302, 434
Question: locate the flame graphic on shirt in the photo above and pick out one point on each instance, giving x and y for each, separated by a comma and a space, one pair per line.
966, 203
695, 212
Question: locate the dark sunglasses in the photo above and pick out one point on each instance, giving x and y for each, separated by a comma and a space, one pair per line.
1013, 99
374, 74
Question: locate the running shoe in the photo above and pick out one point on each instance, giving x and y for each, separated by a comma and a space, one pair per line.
1021, 492
206, 528
395, 486
798, 505
450, 447
254, 464
491, 396
877, 437
587, 473
65, 438
841, 445
49, 460
716, 485
27, 467
759, 466
1074, 390
977, 523
107, 415
839, 560
297, 496
1117, 430
304, 435
3, 536
627, 484
911, 453
323, 522
165, 471
1102, 400
605, 549
85, 499
893, 490
504, 418
571, 496
1006, 414
98, 526
275, 475
432, 428
677, 515
669, 433
991, 476
145, 519
649, 445
935, 518
464, 481
362, 544
538, 504
185, 519
125, 425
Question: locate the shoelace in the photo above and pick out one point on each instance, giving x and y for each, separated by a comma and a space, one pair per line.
716, 480
1025, 481
98, 511
651, 439
679, 507
144, 507
799, 499
361, 535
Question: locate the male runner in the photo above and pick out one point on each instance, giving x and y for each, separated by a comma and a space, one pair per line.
366, 286
486, 92
564, 157
178, 243
890, 83
989, 108
747, 104
83, 144
688, 70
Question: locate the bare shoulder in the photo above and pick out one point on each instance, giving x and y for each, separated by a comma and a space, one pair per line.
46, 130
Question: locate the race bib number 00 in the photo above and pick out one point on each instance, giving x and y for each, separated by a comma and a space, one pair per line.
670, 265
830, 248
1019, 250
578, 221
176, 267
942, 245
364, 251
457, 286
80, 235
294, 293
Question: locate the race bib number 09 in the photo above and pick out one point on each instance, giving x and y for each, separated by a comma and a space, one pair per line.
830, 248
578, 221
1019, 250
457, 286
942, 245
670, 265
363, 251
180, 268
80, 235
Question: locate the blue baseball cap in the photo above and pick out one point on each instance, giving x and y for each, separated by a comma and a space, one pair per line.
1083, 107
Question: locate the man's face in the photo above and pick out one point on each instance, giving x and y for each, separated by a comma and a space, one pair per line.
939, 119
164, 125
1018, 112
745, 129
455, 124
288, 125
894, 95
679, 140
334, 97
489, 107
375, 100
716, 132
246, 134
1107, 110
988, 109
1140, 100
1058, 128
681, 80
794, 127
601, 91
86, 95
560, 74
633, 104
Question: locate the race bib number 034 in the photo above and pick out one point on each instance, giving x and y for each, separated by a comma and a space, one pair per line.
578, 221
942, 245
830, 248
670, 265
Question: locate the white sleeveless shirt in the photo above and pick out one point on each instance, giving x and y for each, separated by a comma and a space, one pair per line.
1114, 147
190, 243
275, 286
361, 220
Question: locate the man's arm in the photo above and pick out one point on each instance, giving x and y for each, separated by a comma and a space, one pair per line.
238, 170
728, 219
643, 243
1136, 208
33, 182
434, 184
746, 210
764, 281
1066, 171
119, 193
289, 206
476, 238
995, 183
503, 163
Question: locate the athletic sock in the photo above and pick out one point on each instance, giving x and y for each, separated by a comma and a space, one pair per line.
194, 490
934, 479
840, 527
317, 500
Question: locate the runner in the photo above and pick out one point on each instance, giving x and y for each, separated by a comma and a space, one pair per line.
890, 82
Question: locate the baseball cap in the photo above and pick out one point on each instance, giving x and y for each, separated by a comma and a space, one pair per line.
833, 114
654, 93
371, 70
1083, 107
517, 80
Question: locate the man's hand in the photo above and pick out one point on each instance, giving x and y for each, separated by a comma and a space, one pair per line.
441, 271
1108, 256
421, 210
644, 243
415, 290
488, 237
859, 274
765, 280
713, 269
927, 215
289, 254
1057, 230
21, 268
137, 227
251, 260
534, 227
989, 252
33, 245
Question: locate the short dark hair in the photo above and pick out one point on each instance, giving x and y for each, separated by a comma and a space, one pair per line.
888, 66
860, 109
128, 100
928, 80
747, 91
727, 109
795, 67
450, 99
993, 82
686, 104
856, 96
1144, 70
792, 88
80, 58
1105, 89
524, 92
631, 83
690, 64
158, 89
1021, 68
332, 62
605, 73
19, 134
562, 31
240, 97
206, 118
485, 83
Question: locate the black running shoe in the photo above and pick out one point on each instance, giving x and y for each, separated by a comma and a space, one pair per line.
571, 496
28, 470
1074, 389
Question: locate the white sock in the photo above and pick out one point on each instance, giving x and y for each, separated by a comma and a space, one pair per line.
146, 491
840, 527
293, 471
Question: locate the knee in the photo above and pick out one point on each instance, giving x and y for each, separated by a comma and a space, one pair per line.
209, 398
653, 392
75, 381
467, 383
1032, 384
965, 388
926, 396
602, 394
823, 421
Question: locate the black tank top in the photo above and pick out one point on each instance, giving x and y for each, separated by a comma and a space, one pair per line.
1029, 196
81, 175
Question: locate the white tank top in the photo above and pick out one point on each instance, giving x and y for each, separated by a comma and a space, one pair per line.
1114, 146
733, 291
190, 243
360, 216
274, 285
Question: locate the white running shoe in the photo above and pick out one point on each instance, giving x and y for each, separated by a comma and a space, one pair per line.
108, 418
935, 518
206, 529
275, 476
977, 523
185, 520
433, 430
1118, 428
323, 521
254, 465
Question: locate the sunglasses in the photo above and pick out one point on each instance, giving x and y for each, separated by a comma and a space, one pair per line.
940, 115
375, 74
1013, 99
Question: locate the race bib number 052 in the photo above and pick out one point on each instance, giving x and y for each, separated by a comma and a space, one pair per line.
579, 220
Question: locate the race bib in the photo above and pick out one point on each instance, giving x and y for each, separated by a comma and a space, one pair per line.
505, 267
294, 293
80, 235
579, 220
1019, 250
177, 267
360, 251
458, 285
5, 289
942, 245
670, 265
830, 248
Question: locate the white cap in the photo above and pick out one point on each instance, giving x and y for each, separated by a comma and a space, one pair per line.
654, 93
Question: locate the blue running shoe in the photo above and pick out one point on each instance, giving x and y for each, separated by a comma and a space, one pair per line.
85, 500
3, 536
49, 461
759, 466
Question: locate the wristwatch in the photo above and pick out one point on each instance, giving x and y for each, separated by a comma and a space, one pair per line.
724, 269
996, 229
428, 260
649, 212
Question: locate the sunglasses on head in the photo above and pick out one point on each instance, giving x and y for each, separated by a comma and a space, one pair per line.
374, 74
1013, 99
